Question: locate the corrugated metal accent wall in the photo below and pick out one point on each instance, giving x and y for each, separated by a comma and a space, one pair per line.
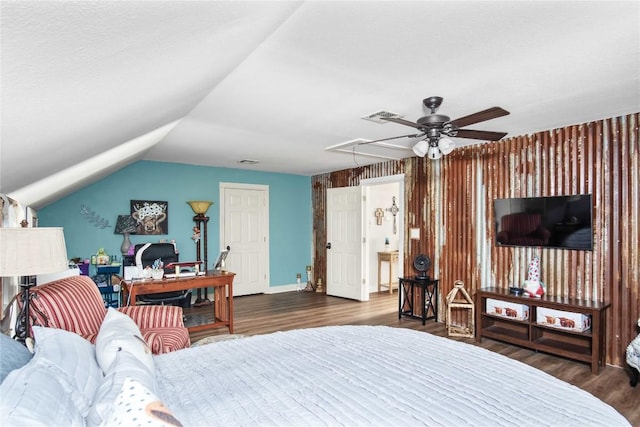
451, 201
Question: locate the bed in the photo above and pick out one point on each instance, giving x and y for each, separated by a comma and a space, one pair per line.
366, 376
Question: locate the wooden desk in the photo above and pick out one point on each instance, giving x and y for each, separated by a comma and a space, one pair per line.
391, 258
222, 285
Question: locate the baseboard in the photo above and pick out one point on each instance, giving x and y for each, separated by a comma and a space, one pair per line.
285, 288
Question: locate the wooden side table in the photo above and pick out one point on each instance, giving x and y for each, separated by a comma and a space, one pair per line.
391, 258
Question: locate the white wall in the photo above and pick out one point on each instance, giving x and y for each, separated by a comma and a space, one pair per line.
381, 196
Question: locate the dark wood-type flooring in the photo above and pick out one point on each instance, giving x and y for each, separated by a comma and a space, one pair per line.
262, 314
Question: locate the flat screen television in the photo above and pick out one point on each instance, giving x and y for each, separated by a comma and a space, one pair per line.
563, 222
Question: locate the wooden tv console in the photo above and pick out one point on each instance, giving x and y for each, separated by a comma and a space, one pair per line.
587, 346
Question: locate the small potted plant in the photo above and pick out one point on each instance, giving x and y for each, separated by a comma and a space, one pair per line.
157, 270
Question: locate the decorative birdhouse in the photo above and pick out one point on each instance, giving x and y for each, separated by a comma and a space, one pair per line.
460, 312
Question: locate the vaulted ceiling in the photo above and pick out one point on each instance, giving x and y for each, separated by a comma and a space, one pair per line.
91, 86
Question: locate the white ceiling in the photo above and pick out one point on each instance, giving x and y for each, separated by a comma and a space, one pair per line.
90, 86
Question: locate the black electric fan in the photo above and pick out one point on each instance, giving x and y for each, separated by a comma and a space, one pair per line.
422, 263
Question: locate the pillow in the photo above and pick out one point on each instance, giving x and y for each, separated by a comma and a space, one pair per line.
72, 358
13, 354
119, 332
37, 394
125, 365
136, 406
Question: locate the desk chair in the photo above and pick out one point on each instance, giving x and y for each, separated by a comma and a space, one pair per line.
166, 252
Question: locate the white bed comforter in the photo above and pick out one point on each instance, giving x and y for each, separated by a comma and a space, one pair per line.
366, 376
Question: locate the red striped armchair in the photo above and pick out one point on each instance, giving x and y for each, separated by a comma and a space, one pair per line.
75, 304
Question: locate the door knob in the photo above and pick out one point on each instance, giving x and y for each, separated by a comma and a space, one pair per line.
329, 245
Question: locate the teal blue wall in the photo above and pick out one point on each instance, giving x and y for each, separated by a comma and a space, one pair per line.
289, 212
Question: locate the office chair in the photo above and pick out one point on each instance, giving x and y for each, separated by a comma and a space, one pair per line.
166, 252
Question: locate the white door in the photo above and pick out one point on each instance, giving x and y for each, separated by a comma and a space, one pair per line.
244, 219
344, 243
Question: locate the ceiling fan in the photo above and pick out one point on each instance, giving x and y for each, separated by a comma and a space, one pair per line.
437, 127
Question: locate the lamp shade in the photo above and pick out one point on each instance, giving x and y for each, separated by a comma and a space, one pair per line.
446, 145
421, 148
32, 251
434, 153
199, 206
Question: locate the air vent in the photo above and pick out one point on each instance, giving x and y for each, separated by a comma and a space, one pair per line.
377, 116
249, 162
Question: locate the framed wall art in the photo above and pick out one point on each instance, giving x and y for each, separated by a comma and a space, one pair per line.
152, 216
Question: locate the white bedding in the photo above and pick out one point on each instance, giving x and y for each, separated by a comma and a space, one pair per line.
366, 376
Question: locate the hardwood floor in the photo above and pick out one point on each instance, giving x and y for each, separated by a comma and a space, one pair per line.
262, 314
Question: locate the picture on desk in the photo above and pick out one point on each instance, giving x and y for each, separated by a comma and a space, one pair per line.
152, 216
219, 265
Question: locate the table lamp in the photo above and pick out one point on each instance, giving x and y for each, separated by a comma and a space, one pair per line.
27, 252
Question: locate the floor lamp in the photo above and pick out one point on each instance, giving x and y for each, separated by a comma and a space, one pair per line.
26, 252
200, 209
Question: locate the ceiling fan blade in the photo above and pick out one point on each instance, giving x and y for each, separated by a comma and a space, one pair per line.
413, 135
403, 122
479, 134
480, 116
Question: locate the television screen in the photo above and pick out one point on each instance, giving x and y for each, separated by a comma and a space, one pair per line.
563, 222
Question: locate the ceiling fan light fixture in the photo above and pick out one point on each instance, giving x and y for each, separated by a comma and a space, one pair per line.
421, 148
434, 153
446, 145
434, 126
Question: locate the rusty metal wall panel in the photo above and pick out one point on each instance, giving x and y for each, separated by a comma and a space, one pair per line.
457, 248
451, 201
419, 210
600, 158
